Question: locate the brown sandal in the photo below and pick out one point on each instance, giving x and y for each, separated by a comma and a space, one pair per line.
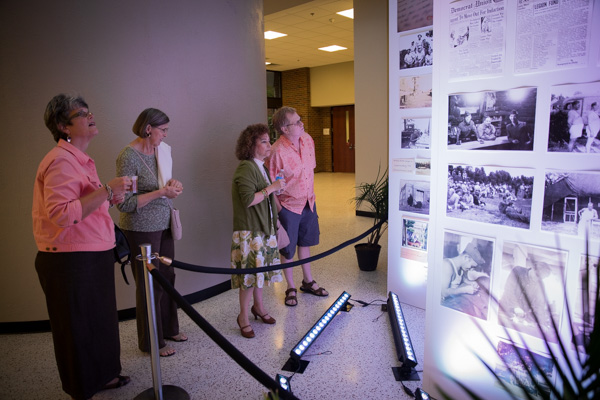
307, 287
291, 297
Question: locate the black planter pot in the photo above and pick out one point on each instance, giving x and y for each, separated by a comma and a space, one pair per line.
367, 256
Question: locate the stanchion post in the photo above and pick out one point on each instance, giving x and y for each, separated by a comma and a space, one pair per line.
171, 392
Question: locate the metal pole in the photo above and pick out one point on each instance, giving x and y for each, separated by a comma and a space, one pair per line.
154, 355
171, 392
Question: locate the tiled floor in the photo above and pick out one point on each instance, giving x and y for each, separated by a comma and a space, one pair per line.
356, 351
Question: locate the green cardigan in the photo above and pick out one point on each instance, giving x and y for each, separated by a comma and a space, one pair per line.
247, 180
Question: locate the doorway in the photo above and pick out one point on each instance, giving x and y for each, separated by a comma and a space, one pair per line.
342, 124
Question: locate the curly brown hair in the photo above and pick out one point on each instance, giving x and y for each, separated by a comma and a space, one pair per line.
246, 143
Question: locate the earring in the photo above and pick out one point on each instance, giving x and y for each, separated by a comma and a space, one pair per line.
69, 138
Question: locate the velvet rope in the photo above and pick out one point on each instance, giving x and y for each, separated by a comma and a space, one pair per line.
223, 343
235, 271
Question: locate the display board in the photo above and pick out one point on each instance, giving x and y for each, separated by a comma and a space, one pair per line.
494, 176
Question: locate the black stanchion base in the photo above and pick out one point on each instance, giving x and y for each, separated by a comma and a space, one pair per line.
292, 365
170, 392
405, 374
347, 307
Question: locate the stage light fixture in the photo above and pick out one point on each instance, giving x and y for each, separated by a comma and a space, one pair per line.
420, 394
295, 364
284, 382
404, 348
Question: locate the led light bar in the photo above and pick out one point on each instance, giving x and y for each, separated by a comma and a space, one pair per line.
420, 394
284, 382
404, 348
314, 332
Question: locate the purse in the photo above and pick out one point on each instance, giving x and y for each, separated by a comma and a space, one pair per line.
121, 251
176, 228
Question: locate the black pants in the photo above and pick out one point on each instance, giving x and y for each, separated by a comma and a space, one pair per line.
82, 306
167, 323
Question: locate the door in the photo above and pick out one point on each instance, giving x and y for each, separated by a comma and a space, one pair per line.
342, 124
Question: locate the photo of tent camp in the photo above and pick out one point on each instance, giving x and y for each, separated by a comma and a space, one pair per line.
575, 118
572, 203
495, 195
414, 196
516, 366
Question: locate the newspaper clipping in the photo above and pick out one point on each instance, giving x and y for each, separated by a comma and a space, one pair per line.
552, 34
477, 30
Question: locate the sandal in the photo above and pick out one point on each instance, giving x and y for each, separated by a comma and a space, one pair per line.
166, 351
308, 288
180, 337
291, 297
121, 381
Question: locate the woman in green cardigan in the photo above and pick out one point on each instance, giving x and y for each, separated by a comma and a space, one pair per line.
254, 224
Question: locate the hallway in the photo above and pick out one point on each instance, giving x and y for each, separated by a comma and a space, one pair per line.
356, 351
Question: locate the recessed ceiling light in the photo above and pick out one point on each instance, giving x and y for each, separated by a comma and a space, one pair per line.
347, 13
273, 35
334, 47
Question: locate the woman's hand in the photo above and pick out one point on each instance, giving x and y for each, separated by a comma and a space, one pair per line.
171, 191
175, 183
278, 185
119, 186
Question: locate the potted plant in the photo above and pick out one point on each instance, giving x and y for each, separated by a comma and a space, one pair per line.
375, 196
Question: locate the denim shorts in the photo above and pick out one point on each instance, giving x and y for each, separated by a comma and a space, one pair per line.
302, 229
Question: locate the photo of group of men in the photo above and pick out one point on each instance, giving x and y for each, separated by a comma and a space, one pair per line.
416, 50
490, 194
492, 120
575, 118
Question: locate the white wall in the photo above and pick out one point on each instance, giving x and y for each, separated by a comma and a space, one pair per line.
202, 62
332, 85
371, 87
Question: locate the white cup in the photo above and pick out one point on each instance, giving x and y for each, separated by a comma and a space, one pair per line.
133, 184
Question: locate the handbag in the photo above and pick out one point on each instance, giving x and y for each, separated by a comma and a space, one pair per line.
121, 251
176, 228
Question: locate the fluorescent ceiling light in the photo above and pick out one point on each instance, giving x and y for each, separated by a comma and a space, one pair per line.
347, 13
334, 47
273, 35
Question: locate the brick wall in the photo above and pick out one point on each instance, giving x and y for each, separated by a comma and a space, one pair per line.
296, 93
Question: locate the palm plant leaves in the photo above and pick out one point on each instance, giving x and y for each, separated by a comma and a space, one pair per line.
375, 196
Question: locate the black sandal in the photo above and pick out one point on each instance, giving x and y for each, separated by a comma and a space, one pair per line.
290, 297
307, 287
121, 381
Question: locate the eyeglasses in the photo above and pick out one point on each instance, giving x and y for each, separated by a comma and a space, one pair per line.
81, 113
163, 130
297, 123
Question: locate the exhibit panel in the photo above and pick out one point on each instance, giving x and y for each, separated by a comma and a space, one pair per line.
497, 234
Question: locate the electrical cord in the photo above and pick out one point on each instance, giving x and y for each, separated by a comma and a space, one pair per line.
365, 304
407, 390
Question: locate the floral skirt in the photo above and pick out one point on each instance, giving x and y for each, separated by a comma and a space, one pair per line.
251, 249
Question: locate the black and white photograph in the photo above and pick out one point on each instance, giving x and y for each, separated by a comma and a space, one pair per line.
584, 313
530, 289
415, 133
459, 35
415, 91
575, 118
416, 50
524, 370
423, 166
493, 195
572, 203
414, 14
414, 196
466, 271
492, 120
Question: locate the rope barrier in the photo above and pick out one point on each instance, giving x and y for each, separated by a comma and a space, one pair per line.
220, 340
235, 271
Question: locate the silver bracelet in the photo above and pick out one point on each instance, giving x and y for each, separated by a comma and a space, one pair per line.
110, 192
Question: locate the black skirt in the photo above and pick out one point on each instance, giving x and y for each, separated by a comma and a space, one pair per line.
81, 301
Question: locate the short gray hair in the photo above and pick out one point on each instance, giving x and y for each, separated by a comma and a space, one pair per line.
57, 113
